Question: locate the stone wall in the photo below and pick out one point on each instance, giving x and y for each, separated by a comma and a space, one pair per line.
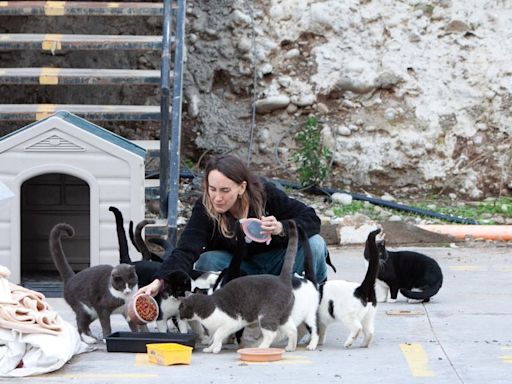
412, 96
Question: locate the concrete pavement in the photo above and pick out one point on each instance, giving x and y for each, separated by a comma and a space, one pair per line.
462, 336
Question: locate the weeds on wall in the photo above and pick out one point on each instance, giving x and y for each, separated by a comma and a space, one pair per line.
311, 157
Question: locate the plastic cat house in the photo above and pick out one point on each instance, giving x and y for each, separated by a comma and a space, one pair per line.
66, 169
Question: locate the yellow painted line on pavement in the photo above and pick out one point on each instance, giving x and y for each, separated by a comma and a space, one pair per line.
54, 8
4, 3
142, 360
503, 268
403, 312
417, 359
52, 42
113, 5
467, 268
507, 359
107, 376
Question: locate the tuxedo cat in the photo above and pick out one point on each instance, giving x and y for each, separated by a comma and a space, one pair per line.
355, 305
177, 284
417, 276
95, 292
263, 299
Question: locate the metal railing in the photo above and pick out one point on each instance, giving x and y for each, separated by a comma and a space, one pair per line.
170, 152
165, 104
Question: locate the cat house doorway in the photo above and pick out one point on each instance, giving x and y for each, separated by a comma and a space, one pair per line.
46, 200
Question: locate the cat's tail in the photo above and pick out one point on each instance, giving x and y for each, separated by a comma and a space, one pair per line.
124, 256
291, 252
55, 244
132, 237
366, 291
425, 294
309, 269
139, 241
164, 243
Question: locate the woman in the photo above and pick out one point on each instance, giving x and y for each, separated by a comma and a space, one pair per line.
231, 192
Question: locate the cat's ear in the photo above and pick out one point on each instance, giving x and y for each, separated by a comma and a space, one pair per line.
188, 293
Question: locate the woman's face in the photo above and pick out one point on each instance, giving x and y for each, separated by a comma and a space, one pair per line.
223, 192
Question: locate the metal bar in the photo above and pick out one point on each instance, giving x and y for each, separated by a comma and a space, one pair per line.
31, 112
164, 106
79, 8
78, 76
60, 42
174, 174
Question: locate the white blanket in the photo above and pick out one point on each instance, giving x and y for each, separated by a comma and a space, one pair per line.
23, 350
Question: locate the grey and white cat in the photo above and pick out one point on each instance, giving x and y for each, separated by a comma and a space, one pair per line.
93, 293
353, 304
417, 276
263, 299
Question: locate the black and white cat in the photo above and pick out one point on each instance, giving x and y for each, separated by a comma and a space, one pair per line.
353, 304
96, 292
174, 289
417, 276
263, 299
175, 285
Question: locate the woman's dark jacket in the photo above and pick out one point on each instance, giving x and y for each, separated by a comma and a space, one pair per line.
201, 234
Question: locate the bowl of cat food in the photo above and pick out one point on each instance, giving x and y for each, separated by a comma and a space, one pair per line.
142, 309
260, 355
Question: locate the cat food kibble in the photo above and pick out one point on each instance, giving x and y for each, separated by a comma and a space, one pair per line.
146, 308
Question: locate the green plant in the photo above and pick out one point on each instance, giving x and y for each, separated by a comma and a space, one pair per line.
311, 157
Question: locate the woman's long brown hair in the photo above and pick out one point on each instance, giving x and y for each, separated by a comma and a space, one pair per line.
234, 169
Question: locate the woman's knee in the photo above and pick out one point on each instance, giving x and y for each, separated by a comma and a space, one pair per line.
319, 252
213, 261
318, 246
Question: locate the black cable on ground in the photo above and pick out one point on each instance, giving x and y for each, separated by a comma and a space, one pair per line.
380, 202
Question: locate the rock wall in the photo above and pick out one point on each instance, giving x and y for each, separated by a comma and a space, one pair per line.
412, 96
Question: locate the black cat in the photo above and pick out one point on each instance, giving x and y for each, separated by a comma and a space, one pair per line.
415, 275
145, 268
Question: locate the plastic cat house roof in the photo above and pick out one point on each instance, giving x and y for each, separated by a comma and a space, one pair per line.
108, 165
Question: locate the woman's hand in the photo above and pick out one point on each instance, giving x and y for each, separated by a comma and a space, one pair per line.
269, 224
150, 289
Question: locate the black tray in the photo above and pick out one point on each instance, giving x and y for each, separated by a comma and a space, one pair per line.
136, 341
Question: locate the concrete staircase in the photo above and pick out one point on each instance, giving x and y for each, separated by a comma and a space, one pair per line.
46, 67
51, 45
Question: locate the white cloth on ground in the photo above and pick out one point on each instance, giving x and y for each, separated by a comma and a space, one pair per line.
34, 339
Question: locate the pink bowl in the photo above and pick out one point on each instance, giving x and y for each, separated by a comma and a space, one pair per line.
252, 229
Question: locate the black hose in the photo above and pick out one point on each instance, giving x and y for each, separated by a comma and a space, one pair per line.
380, 202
